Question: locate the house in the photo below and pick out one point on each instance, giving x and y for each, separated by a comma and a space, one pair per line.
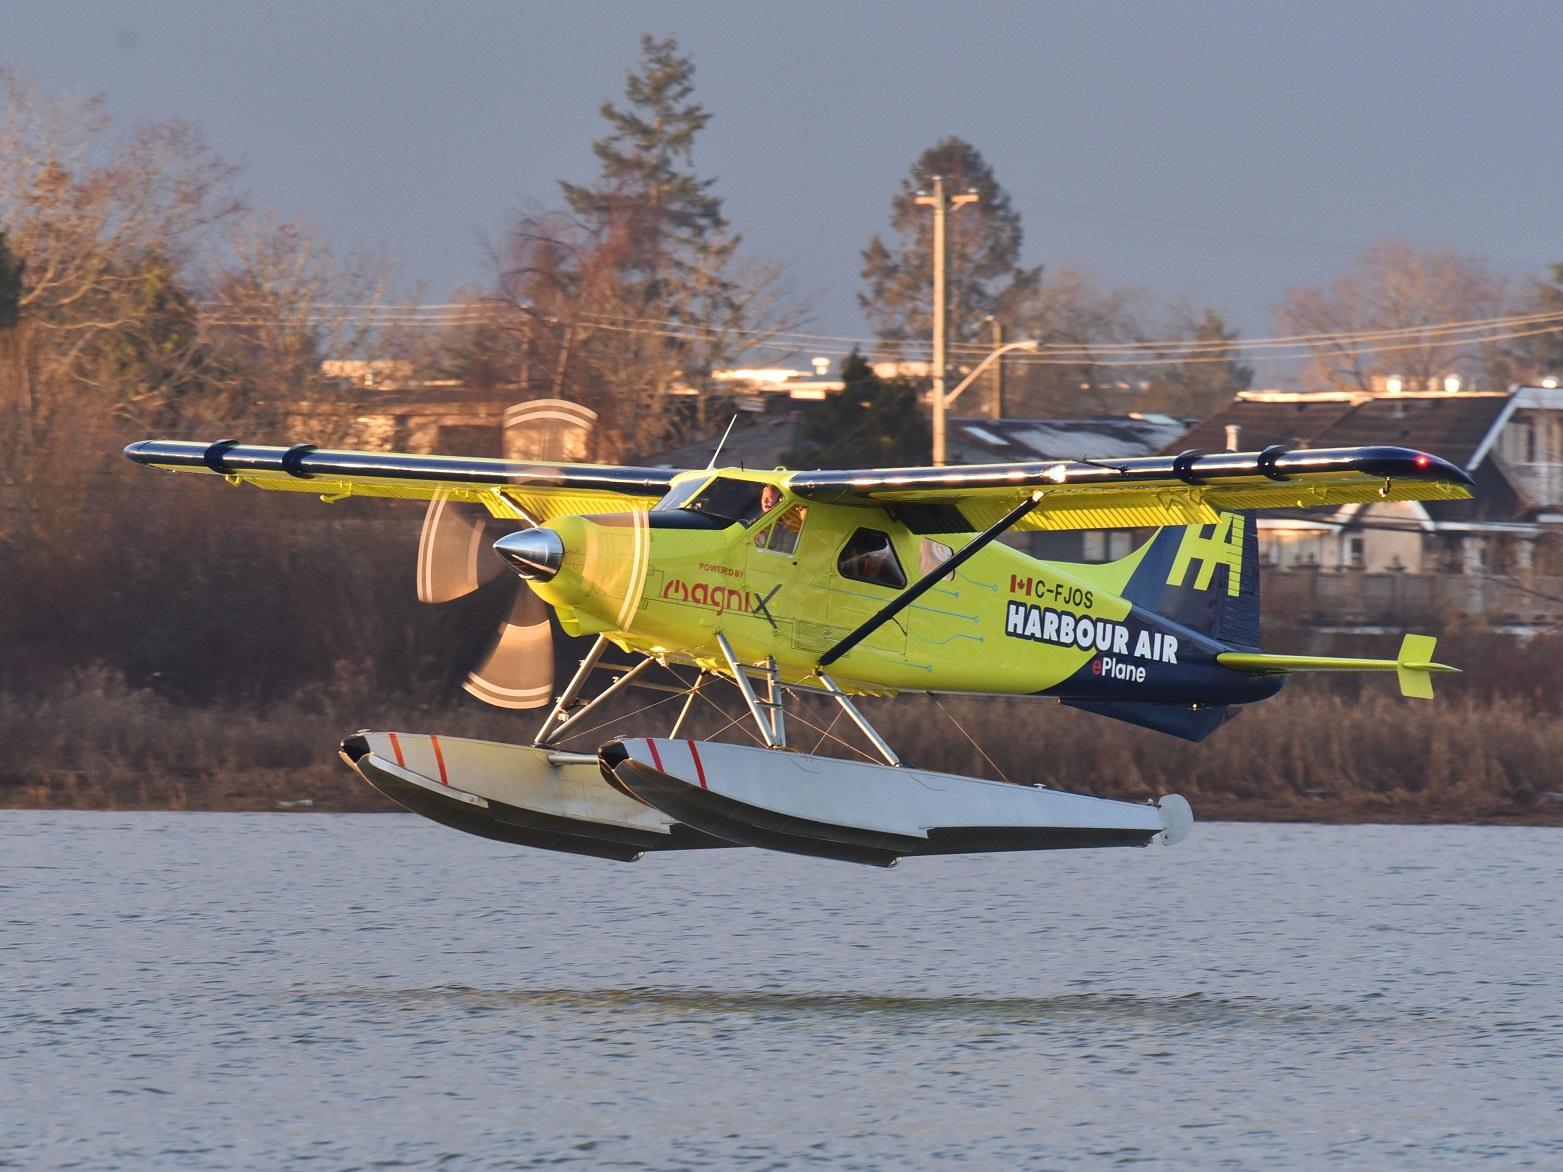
1511, 442
1489, 556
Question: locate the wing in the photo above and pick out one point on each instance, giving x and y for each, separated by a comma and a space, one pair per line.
1188, 489
508, 488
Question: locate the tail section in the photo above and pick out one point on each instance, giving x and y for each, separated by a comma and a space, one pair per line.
1204, 577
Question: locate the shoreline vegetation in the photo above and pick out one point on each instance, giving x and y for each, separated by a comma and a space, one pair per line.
1317, 754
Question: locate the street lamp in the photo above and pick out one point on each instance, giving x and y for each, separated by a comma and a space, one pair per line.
941, 400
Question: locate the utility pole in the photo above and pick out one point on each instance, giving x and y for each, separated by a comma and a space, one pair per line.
941, 208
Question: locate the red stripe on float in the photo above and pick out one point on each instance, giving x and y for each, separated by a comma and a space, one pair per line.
655, 756
439, 760
700, 772
396, 747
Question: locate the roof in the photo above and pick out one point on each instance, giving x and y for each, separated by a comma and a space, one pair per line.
984, 441
1454, 426
1449, 425
761, 439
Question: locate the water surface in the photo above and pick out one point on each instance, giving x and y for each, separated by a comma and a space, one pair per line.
249, 990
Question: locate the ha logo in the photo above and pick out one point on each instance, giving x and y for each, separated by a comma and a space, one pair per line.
1224, 547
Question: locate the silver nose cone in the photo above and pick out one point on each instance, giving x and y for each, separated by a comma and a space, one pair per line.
536, 554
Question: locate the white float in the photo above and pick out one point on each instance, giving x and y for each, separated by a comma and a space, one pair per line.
871, 813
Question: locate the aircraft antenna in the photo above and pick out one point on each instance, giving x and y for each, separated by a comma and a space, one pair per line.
722, 442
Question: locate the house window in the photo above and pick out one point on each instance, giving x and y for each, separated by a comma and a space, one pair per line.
1356, 551
868, 556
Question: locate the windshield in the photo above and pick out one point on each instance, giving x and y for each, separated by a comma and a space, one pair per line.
730, 500
678, 495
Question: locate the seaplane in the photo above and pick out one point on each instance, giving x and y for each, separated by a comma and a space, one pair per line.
833, 585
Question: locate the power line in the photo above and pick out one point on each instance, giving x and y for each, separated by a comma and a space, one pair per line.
1292, 348
463, 312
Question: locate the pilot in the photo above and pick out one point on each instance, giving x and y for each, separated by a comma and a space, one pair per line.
770, 497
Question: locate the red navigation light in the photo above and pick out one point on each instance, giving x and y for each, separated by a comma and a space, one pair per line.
1422, 461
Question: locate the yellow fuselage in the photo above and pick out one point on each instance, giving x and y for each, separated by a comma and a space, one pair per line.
670, 590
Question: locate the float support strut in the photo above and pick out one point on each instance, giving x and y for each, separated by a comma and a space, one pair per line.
689, 703
761, 721
571, 692
613, 689
859, 719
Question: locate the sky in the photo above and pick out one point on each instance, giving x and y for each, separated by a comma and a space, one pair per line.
1209, 150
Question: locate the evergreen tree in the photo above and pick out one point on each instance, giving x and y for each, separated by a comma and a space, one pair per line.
983, 239
871, 423
10, 286
661, 223
634, 291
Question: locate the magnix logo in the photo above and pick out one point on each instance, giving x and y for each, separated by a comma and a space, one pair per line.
1224, 547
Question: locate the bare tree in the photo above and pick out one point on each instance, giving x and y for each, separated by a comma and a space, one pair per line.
1072, 307
1391, 285
279, 301
102, 219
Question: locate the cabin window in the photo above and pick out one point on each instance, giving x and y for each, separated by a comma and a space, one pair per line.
782, 537
933, 554
868, 556
730, 500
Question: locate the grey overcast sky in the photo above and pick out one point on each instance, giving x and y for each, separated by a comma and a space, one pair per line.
1216, 149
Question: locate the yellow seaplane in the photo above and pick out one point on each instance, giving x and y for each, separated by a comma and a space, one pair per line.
871, 582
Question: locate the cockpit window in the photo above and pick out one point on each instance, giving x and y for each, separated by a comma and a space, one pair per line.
782, 537
679, 495
870, 557
729, 500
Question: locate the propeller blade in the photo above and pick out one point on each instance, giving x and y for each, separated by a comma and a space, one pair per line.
451, 563
554, 430
519, 669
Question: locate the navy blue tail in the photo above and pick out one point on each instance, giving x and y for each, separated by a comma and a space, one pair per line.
1204, 577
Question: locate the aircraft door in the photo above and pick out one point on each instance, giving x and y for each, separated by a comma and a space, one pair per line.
778, 581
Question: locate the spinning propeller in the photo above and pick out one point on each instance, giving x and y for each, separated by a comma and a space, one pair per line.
455, 558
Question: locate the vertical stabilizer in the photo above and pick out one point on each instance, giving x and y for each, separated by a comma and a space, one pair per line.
1205, 577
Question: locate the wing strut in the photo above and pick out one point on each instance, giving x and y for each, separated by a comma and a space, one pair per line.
920, 587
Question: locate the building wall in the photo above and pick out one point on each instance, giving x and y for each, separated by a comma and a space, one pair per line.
1392, 538
1530, 447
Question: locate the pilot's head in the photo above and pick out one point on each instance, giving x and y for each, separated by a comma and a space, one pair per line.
770, 497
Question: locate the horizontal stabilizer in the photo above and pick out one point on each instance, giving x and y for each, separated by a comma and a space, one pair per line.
1413, 666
